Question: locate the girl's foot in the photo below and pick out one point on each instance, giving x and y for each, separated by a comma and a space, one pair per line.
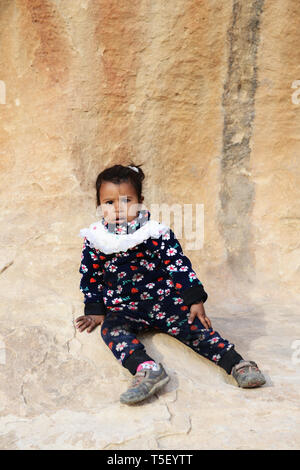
247, 374
145, 383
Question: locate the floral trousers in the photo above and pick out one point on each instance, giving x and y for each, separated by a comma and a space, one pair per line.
170, 315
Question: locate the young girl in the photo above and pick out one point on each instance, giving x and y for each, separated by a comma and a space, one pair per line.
136, 277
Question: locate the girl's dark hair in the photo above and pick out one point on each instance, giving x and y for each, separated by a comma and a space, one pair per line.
118, 174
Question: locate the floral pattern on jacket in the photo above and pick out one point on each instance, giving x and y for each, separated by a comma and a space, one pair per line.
150, 270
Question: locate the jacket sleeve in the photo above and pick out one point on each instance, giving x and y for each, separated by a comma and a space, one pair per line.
91, 281
179, 267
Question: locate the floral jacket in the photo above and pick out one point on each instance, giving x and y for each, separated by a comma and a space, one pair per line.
123, 265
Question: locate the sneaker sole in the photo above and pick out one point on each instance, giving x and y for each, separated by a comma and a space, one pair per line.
154, 389
257, 383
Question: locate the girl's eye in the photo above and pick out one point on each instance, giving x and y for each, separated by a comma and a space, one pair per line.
123, 200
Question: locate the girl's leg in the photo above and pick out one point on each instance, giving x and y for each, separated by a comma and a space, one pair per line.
210, 344
207, 342
119, 334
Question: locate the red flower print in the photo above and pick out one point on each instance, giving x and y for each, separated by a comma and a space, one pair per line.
216, 357
122, 274
214, 340
171, 252
150, 266
121, 346
173, 318
150, 285
172, 268
174, 331
160, 315
145, 295
183, 269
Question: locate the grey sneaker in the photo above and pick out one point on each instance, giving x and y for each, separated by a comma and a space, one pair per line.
144, 384
248, 375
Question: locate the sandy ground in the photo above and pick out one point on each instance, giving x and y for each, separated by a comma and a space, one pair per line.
60, 389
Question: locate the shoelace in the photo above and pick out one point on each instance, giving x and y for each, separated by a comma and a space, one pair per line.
246, 367
138, 378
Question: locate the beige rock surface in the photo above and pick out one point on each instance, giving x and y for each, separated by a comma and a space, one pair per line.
205, 94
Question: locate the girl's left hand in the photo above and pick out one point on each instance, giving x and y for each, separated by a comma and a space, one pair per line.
197, 310
89, 322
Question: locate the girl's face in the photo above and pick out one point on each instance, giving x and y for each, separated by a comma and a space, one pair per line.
119, 202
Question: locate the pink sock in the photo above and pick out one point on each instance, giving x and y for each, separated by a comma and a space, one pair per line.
147, 365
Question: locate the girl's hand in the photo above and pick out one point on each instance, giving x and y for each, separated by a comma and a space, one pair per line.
197, 310
89, 322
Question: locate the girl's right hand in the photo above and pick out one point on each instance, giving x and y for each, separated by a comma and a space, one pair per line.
197, 310
89, 322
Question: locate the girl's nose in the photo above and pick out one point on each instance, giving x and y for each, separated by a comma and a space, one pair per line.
120, 208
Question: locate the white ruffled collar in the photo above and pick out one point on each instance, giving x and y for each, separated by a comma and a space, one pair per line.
107, 242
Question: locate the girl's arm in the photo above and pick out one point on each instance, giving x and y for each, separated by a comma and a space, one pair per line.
180, 269
91, 282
